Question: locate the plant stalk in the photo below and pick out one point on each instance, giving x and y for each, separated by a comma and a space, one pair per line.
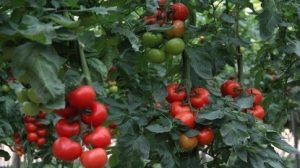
187, 73
238, 48
84, 65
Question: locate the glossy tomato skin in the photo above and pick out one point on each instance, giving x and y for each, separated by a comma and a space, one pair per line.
187, 118
180, 11
32, 137
66, 112
30, 127
64, 128
162, 2
41, 141
199, 97
42, 115
187, 143
42, 132
150, 19
175, 93
258, 112
98, 114
95, 158
177, 108
82, 97
177, 30
205, 136
175, 46
231, 88
28, 119
99, 138
156, 56
258, 96
65, 149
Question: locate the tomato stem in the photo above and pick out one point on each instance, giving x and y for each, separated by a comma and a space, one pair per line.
84, 65
186, 76
238, 48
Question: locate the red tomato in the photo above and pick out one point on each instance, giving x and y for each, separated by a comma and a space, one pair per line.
42, 132
66, 112
42, 115
177, 108
175, 93
67, 129
39, 124
99, 138
29, 127
112, 125
65, 149
231, 88
257, 95
32, 137
150, 19
17, 138
187, 118
199, 97
28, 119
41, 141
258, 112
205, 136
180, 11
95, 158
177, 30
97, 116
162, 2
82, 96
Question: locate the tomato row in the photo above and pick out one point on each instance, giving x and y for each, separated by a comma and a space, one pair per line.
234, 89
35, 129
82, 107
199, 97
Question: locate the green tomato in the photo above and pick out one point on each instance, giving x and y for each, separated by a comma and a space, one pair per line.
151, 40
33, 96
156, 56
5, 88
111, 83
22, 95
156, 165
175, 46
113, 89
30, 109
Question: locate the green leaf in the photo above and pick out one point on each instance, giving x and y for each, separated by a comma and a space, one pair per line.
4, 154
268, 19
64, 21
98, 68
99, 10
234, 133
297, 48
133, 39
245, 102
200, 62
41, 65
278, 142
36, 30
156, 128
211, 115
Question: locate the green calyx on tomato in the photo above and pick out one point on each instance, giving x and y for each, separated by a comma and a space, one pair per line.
30, 109
151, 40
156, 56
175, 46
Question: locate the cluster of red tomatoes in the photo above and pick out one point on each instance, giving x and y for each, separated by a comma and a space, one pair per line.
156, 50
233, 89
82, 105
199, 97
19, 149
35, 129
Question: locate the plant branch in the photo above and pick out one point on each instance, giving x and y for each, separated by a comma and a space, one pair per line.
238, 48
84, 65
